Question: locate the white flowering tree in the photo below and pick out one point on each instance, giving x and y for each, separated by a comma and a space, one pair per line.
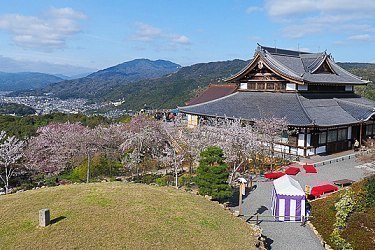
11, 151
269, 131
146, 140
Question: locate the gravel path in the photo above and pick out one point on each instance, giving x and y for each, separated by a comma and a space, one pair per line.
288, 235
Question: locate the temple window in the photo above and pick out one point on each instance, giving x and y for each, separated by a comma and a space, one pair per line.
332, 136
323, 137
342, 134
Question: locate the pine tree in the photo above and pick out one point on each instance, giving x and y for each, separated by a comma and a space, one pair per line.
212, 174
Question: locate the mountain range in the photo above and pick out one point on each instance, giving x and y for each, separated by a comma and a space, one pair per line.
98, 83
163, 84
26, 80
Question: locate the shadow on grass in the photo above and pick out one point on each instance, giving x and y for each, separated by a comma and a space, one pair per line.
60, 218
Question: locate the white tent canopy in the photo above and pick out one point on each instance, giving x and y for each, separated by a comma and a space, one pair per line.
288, 200
286, 185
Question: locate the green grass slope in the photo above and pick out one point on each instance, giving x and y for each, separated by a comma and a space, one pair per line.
118, 216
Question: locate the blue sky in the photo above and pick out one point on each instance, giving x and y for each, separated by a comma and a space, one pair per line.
99, 34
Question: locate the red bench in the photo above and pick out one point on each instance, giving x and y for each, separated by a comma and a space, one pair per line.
323, 189
292, 171
274, 175
309, 168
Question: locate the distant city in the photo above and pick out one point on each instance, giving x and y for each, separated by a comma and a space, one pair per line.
47, 105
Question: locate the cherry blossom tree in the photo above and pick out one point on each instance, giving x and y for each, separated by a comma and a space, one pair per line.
269, 132
54, 149
146, 140
11, 151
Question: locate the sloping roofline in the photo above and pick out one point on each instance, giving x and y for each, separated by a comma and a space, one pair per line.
266, 54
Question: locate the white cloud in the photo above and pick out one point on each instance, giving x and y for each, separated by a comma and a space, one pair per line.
310, 17
292, 7
362, 37
253, 9
157, 37
47, 32
145, 33
181, 39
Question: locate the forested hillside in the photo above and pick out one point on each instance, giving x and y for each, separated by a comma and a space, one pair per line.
102, 81
367, 72
175, 89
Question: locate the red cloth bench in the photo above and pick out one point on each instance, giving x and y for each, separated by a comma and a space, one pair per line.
292, 171
310, 168
274, 175
319, 190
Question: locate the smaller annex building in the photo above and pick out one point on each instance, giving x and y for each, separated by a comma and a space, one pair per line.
288, 200
313, 93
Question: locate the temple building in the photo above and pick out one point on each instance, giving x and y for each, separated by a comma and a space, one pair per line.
313, 93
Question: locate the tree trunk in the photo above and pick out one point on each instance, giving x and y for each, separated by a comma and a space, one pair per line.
175, 169
88, 168
6, 180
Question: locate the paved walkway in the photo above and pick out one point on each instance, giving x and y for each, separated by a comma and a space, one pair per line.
287, 235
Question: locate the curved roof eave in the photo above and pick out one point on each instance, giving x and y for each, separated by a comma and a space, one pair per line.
279, 69
317, 66
332, 63
244, 70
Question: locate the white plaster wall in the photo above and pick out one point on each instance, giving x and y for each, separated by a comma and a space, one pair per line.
290, 86
293, 150
310, 151
300, 152
243, 85
349, 132
308, 140
301, 140
321, 149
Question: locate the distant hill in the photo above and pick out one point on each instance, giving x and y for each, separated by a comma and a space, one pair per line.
174, 89
25, 80
104, 80
367, 72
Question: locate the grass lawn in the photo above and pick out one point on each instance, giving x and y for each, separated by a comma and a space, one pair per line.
360, 229
117, 215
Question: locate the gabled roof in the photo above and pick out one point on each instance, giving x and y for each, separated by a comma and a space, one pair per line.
299, 109
299, 67
213, 91
286, 185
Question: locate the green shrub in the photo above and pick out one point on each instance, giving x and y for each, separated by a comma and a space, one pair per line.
99, 167
186, 180
370, 191
162, 181
212, 174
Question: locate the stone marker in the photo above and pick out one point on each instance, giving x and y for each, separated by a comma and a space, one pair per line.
44, 217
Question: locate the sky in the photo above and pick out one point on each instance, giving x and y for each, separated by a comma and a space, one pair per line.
96, 34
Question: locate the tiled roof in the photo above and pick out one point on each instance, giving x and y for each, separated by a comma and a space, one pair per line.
300, 67
213, 91
253, 105
298, 109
